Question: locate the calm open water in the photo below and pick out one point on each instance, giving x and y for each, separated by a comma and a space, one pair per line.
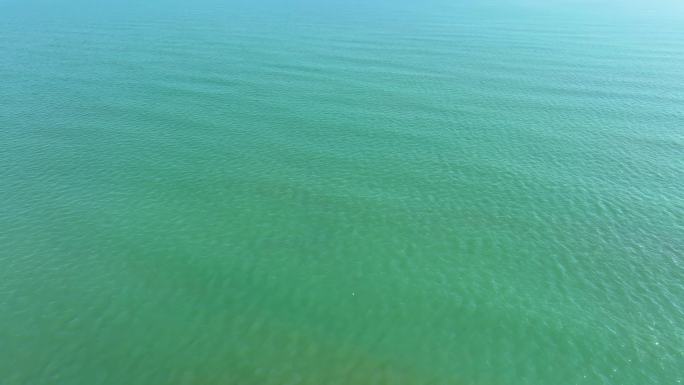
341, 192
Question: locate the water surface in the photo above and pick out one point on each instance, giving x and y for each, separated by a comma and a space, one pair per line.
334, 192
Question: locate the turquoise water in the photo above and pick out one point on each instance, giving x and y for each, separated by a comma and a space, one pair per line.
335, 192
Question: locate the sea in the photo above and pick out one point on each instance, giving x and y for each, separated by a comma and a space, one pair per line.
341, 192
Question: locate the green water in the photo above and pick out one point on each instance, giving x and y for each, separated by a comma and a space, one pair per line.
341, 192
